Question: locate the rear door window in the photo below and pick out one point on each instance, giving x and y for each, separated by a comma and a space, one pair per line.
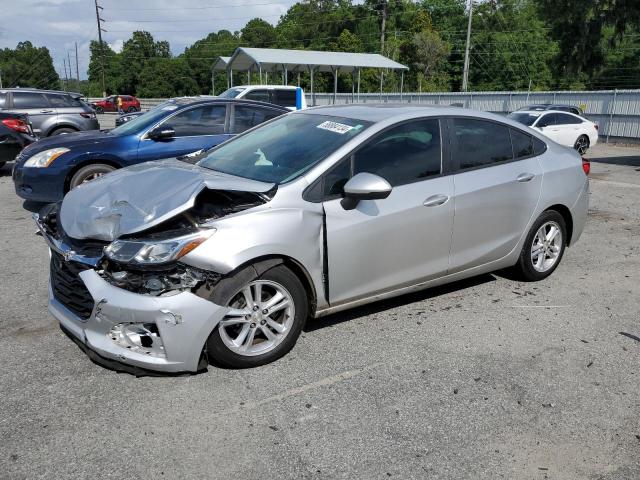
246, 117
260, 95
61, 101
522, 144
29, 100
480, 143
285, 98
564, 119
203, 120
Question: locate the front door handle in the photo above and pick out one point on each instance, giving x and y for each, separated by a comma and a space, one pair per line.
525, 177
435, 200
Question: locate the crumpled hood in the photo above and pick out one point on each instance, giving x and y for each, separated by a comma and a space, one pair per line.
70, 140
141, 196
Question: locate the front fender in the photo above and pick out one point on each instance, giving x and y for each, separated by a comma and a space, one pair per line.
294, 233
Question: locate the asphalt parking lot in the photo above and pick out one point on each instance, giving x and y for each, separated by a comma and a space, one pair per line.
486, 378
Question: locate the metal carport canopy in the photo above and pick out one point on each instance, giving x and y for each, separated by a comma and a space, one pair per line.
272, 59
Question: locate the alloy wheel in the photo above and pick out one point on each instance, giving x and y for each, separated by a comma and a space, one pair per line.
546, 247
260, 316
582, 145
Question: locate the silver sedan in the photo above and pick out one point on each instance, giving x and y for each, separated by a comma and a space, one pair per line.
168, 266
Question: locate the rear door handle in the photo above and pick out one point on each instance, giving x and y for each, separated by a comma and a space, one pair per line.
46, 111
525, 177
435, 200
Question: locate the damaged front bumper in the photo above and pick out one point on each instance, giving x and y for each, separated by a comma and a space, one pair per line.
164, 333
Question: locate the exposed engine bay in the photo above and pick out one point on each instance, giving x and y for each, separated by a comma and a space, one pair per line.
162, 278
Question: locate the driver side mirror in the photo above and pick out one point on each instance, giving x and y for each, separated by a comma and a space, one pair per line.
162, 133
364, 186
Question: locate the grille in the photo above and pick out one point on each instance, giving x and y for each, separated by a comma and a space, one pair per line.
67, 286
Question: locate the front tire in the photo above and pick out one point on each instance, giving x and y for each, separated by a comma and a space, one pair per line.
99, 110
582, 144
88, 173
543, 248
132, 109
265, 319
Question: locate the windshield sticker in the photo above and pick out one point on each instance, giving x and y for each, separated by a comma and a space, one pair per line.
335, 127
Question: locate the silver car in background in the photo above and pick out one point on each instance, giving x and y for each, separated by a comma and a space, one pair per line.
167, 266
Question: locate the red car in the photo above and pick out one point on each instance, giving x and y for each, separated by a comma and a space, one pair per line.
110, 104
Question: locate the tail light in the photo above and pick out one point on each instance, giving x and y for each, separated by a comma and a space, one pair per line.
16, 125
586, 166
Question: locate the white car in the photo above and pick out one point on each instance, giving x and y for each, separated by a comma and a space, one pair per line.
562, 127
283, 95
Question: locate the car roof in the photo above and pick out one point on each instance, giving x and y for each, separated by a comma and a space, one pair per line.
278, 87
377, 113
543, 112
183, 101
38, 90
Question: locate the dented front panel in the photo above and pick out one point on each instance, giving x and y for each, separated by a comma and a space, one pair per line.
140, 197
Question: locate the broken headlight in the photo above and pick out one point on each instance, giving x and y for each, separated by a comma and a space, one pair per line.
155, 251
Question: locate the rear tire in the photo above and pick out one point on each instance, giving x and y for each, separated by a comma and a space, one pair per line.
88, 173
249, 337
539, 258
62, 131
582, 144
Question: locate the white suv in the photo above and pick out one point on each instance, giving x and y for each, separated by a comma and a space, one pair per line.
285, 96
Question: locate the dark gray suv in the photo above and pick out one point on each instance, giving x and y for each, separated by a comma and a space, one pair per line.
50, 112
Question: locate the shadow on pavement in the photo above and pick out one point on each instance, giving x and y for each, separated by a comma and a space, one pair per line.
629, 160
383, 305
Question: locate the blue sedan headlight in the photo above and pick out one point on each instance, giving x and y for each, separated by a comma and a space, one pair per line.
46, 158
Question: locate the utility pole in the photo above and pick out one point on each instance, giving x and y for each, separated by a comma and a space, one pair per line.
465, 73
383, 25
77, 68
64, 66
69, 63
100, 30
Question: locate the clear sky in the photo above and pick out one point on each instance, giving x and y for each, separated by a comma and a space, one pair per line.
57, 24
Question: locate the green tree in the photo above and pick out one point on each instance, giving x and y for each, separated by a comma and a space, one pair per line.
28, 66
258, 33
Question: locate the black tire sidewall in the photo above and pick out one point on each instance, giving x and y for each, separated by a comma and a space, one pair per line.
525, 264
85, 171
99, 110
220, 354
60, 131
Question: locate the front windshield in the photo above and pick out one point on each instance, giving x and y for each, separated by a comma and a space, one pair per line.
283, 149
524, 118
143, 121
232, 92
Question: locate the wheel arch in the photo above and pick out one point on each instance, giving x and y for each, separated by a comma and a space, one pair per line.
84, 163
266, 262
59, 126
566, 216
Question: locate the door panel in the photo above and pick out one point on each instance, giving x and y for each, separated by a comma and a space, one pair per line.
495, 196
383, 244
197, 128
492, 209
35, 104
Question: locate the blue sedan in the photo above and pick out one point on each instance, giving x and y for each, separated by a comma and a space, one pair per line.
49, 168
